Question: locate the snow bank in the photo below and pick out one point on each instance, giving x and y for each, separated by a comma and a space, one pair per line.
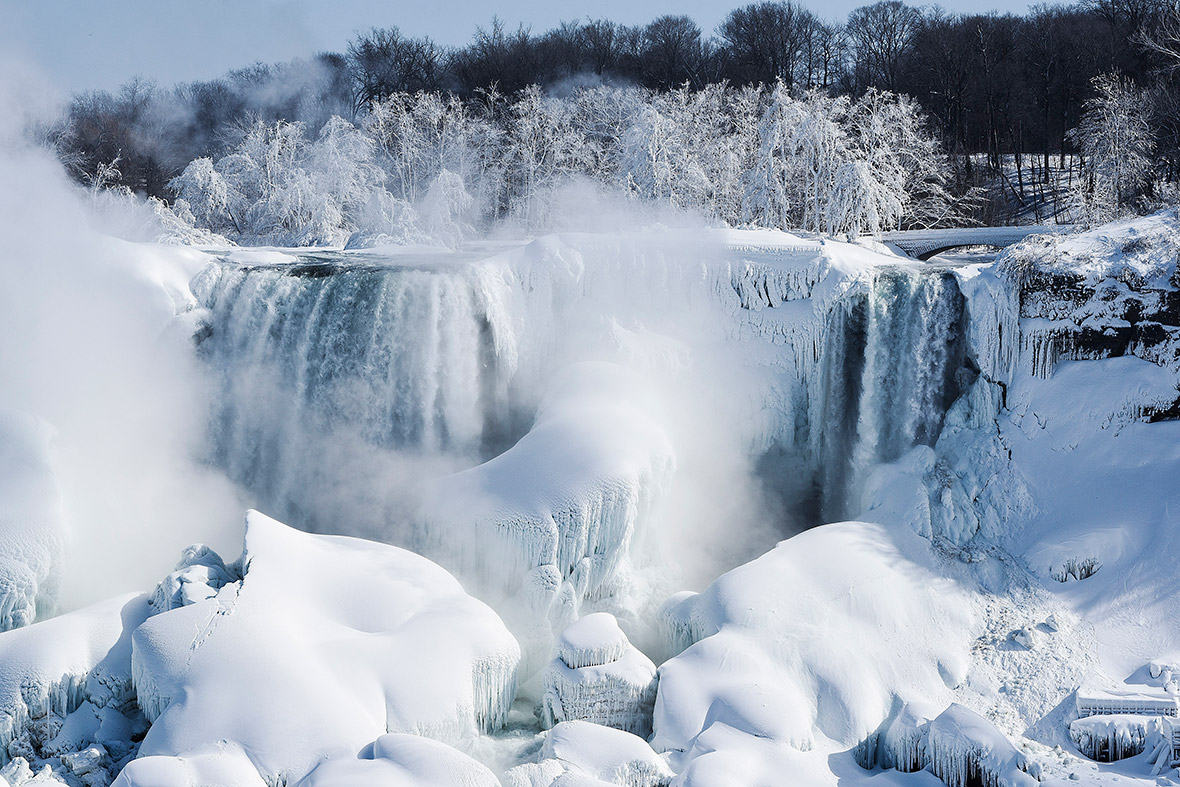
325, 643
599, 676
32, 522
224, 764
809, 643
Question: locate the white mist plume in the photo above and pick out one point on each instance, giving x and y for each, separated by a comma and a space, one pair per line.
84, 345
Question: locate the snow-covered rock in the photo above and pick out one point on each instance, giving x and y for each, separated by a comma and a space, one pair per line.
599, 676
199, 575
611, 755
325, 643
224, 764
554, 521
32, 521
582, 753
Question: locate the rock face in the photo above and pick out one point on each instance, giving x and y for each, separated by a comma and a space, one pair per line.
1106, 293
323, 644
599, 676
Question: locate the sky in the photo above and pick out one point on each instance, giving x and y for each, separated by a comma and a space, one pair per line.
99, 44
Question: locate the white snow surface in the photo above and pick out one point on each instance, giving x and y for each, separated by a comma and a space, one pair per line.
65, 686
325, 643
402, 760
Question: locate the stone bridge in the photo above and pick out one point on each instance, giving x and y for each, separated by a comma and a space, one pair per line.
924, 244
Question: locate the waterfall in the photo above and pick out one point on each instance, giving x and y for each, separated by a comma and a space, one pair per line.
890, 371
341, 378
327, 371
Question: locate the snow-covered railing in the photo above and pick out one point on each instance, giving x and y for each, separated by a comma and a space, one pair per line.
1107, 703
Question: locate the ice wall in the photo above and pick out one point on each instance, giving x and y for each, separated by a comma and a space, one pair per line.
32, 521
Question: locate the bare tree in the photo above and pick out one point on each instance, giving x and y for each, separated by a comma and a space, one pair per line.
881, 35
383, 62
767, 42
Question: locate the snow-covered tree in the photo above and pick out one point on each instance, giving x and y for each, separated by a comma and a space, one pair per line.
1115, 137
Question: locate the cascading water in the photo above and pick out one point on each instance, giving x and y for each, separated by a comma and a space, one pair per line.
329, 371
342, 379
893, 364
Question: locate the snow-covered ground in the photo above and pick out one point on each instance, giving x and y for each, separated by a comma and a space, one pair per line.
626, 462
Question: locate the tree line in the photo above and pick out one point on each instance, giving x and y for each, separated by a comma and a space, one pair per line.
1005, 95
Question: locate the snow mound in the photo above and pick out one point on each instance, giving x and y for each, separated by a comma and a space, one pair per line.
400, 760
599, 676
325, 643
32, 522
223, 764
66, 695
811, 642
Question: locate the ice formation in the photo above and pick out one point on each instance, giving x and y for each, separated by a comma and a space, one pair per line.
325, 643
342, 373
1108, 738
598, 676
767, 665
967, 749
32, 521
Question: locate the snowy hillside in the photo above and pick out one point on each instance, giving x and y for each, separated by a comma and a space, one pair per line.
691, 507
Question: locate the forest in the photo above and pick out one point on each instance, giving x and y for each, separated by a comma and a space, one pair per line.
897, 117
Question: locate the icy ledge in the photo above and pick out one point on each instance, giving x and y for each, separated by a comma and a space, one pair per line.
324, 644
66, 699
557, 522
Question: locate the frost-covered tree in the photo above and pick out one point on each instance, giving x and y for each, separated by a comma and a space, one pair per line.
544, 148
1115, 137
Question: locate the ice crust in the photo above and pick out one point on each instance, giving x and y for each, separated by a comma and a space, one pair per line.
325, 643
32, 521
598, 676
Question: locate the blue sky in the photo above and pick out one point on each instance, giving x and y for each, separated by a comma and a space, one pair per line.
83, 44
